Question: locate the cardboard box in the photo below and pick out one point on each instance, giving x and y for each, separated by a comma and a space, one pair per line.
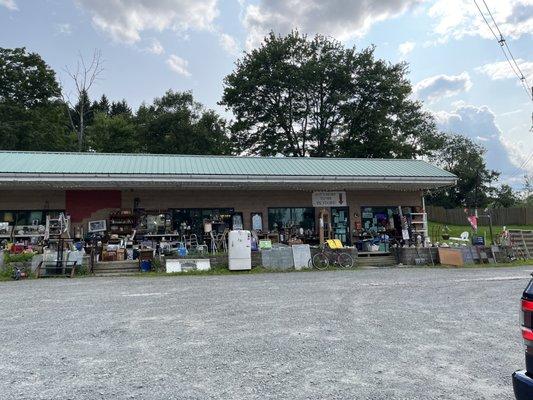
448, 256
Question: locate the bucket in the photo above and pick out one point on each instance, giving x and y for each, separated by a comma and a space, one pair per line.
146, 265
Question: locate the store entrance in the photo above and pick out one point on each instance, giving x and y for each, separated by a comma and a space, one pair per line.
340, 224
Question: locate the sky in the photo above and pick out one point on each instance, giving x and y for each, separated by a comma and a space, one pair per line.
456, 65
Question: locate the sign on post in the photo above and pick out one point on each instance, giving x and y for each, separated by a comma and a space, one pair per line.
329, 199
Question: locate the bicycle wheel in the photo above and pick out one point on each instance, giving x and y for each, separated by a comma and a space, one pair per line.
320, 261
345, 260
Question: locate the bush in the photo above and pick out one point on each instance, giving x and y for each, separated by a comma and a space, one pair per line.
21, 257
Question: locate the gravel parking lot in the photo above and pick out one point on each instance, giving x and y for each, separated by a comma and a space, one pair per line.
365, 334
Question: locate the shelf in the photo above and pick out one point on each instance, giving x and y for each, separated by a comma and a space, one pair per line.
30, 235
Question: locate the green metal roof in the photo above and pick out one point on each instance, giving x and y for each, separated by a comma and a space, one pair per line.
15, 162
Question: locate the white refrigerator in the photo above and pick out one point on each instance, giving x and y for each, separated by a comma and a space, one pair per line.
240, 250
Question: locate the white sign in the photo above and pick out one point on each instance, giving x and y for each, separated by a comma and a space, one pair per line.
301, 254
329, 199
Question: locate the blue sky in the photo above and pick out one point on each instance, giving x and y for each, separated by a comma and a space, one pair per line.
150, 46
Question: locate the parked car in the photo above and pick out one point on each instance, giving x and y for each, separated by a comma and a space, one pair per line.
523, 380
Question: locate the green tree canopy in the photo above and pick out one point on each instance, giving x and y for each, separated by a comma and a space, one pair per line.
113, 134
32, 117
25, 79
298, 96
177, 124
464, 158
504, 197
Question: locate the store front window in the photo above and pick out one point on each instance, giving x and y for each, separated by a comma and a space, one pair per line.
191, 220
382, 219
291, 218
27, 217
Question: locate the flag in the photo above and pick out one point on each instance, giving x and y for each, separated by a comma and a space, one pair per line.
473, 222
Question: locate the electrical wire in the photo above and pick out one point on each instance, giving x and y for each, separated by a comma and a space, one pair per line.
523, 165
504, 46
502, 40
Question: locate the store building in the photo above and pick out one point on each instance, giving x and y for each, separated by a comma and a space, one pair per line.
173, 193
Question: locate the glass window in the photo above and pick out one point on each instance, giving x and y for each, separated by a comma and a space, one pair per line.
27, 217
382, 219
291, 217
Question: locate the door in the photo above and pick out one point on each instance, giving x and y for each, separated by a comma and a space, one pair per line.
340, 224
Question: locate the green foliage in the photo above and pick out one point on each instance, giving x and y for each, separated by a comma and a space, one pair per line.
31, 115
504, 197
298, 96
81, 270
527, 192
113, 134
464, 158
177, 124
26, 79
20, 257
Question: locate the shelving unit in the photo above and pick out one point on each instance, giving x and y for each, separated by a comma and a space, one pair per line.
28, 231
5, 231
419, 222
121, 223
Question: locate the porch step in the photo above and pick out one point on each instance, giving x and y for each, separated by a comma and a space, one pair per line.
111, 268
376, 261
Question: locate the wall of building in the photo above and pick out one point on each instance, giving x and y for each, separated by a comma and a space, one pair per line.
246, 202
253, 201
32, 199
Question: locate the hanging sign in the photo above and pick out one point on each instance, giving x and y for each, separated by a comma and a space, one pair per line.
329, 199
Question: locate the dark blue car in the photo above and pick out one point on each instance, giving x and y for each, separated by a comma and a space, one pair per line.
523, 380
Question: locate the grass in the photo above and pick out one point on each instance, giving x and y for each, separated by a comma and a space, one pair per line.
456, 230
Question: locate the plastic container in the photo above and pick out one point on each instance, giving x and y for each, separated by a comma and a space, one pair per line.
146, 265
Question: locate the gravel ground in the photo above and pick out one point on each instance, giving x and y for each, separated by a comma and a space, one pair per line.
365, 334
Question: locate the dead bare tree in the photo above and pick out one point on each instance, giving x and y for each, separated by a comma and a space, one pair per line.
83, 77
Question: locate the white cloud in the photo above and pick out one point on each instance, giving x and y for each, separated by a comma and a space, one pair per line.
479, 124
440, 86
342, 19
458, 18
125, 20
9, 4
156, 47
178, 65
502, 70
64, 29
406, 47
229, 44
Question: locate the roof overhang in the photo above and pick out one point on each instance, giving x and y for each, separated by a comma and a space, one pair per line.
251, 182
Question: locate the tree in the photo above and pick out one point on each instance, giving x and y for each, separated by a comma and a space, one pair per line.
176, 124
26, 79
381, 119
120, 108
113, 134
504, 197
313, 97
83, 77
31, 115
527, 192
101, 106
464, 158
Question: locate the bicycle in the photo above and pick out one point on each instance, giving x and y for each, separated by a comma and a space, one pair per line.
329, 256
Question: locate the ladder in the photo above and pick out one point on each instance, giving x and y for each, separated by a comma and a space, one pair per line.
57, 227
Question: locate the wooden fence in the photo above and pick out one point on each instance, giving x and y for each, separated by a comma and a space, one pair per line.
500, 216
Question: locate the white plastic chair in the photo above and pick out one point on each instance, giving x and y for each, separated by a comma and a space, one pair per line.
463, 238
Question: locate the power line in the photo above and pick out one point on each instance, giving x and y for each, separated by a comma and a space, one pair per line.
523, 165
504, 46
503, 42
